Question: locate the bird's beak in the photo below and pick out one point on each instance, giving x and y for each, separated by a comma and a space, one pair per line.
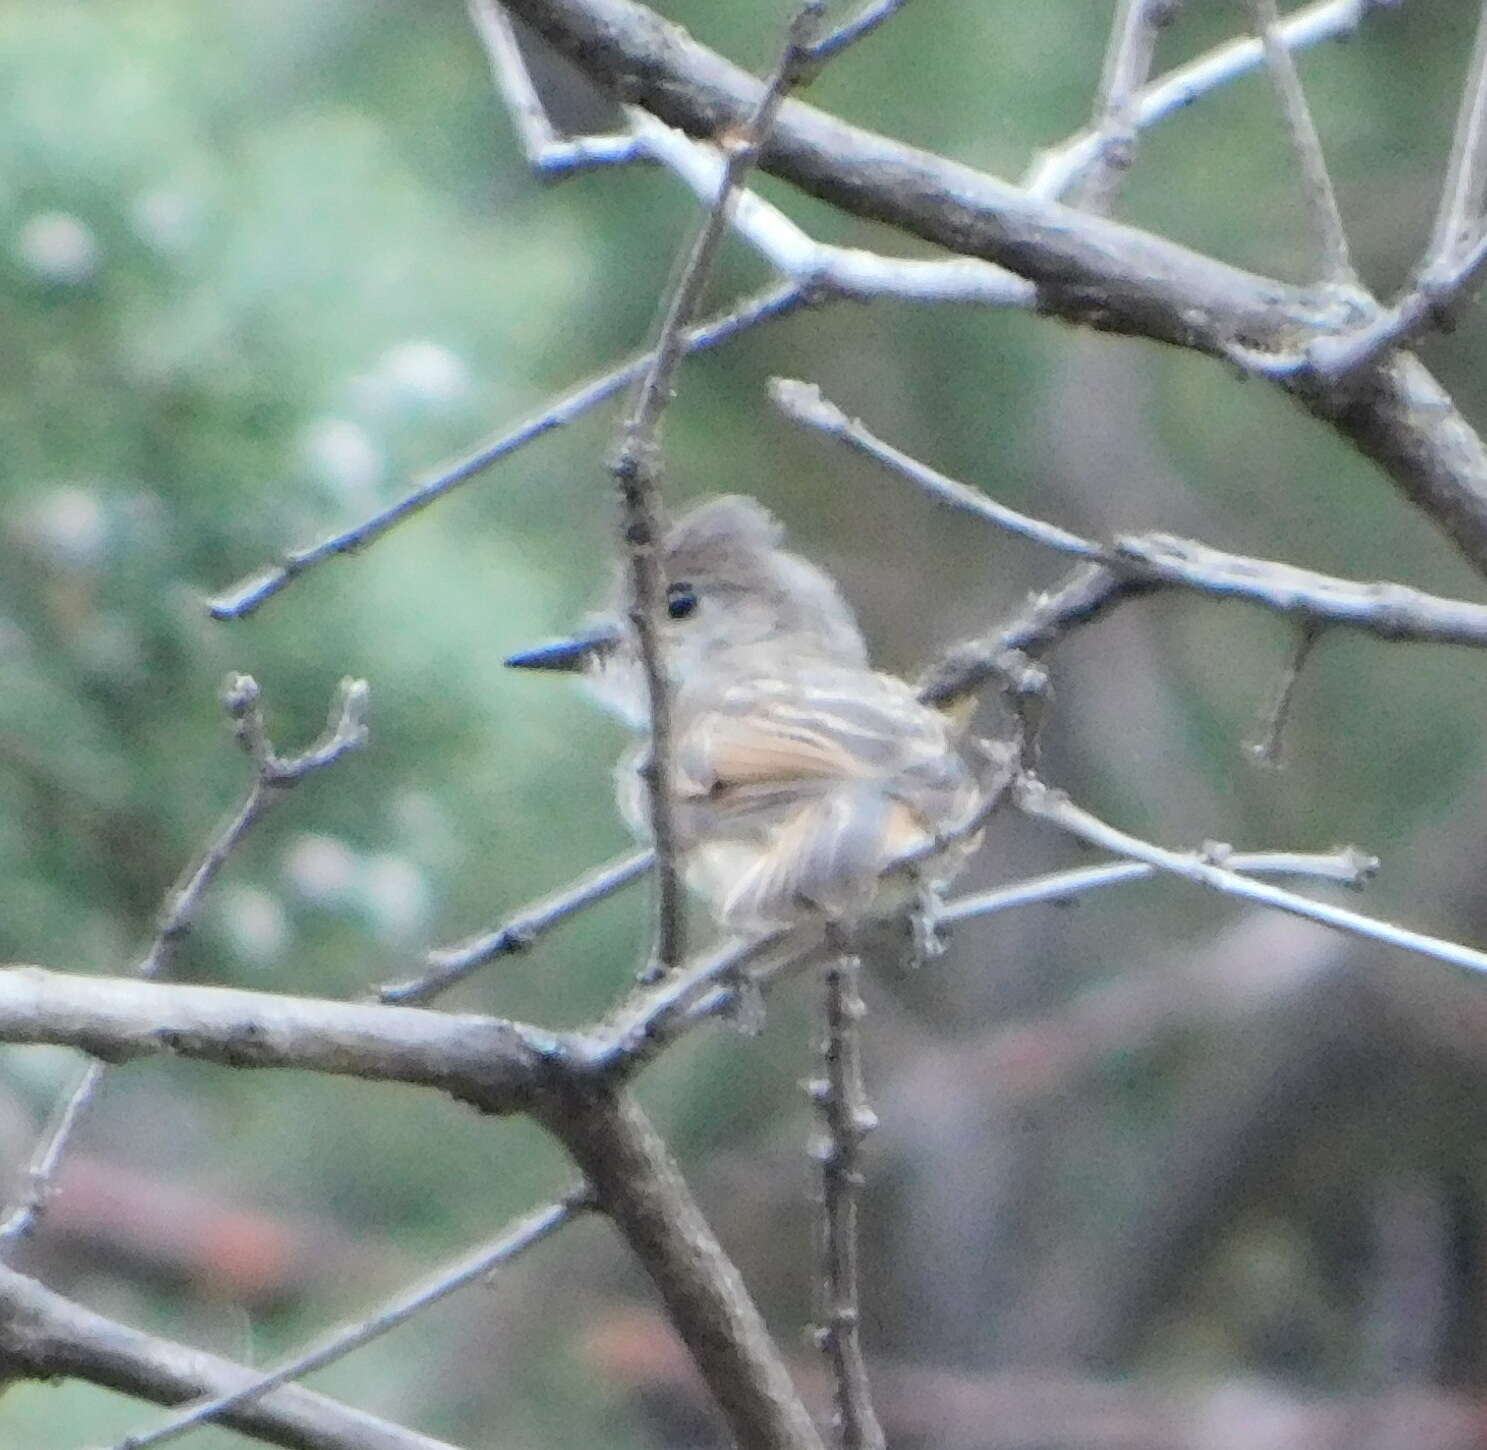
569, 654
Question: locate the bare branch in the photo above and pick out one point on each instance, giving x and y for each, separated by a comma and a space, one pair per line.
345, 731
1454, 259
1425, 305
846, 1120
46, 1336
849, 32
1268, 746
522, 1235
1394, 612
1348, 866
547, 153
488, 1061
636, 1031
637, 1184
803, 403
1207, 868
636, 469
1087, 269
1458, 219
248, 594
1061, 167
1084, 265
827, 271
1128, 58
1389, 611
1086, 594
1316, 181
449, 965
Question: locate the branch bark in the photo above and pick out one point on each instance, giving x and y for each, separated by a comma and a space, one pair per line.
45, 1335
487, 1061
638, 1185
1087, 269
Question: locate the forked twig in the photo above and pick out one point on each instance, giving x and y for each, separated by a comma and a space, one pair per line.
1424, 306
1061, 166
547, 153
1128, 58
479, 1264
1394, 612
344, 731
1209, 868
1456, 256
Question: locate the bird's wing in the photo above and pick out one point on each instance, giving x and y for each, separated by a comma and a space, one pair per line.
794, 791
833, 726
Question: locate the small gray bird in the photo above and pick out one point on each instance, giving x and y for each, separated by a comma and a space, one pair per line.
800, 774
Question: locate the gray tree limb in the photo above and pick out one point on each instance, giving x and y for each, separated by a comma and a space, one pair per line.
1087, 269
46, 1335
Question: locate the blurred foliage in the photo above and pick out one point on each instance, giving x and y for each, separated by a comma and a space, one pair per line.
263, 264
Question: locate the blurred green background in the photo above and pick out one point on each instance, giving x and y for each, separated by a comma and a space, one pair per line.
261, 266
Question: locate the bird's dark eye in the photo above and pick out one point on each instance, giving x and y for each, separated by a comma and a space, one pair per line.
681, 600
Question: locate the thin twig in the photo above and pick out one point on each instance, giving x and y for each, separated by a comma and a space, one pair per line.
1206, 869
1426, 304
1060, 167
345, 730
49, 1337
547, 153
803, 403
1091, 591
707, 987
1458, 219
449, 965
849, 32
248, 594
1128, 58
1454, 259
1268, 746
1316, 181
637, 1031
846, 1120
1388, 611
636, 469
825, 269
1347, 866
1085, 595
520, 1236
1394, 612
